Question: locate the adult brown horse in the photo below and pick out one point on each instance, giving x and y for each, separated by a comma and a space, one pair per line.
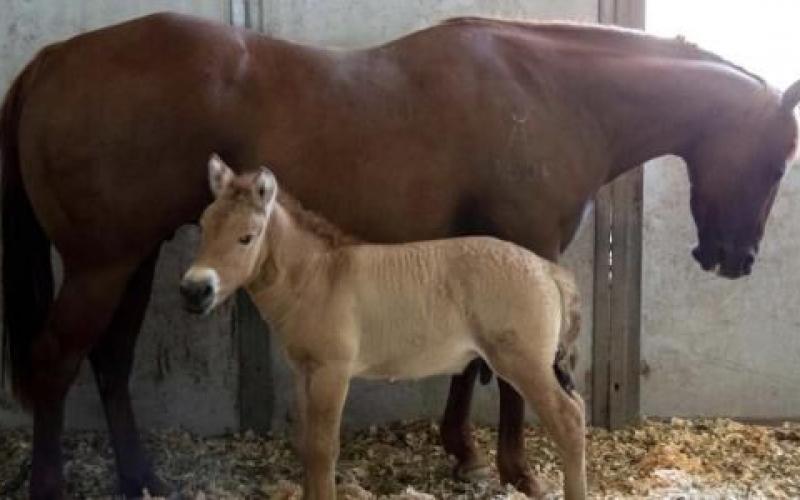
473, 126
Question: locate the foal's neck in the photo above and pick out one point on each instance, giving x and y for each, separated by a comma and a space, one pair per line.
292, 256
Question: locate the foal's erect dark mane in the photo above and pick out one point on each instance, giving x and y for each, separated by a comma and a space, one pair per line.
315, 223
668, 47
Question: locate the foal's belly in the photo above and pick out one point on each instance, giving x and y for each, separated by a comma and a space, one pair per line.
407, 327
413, 356
416, 367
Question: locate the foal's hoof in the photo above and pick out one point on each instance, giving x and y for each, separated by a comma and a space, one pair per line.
473, 471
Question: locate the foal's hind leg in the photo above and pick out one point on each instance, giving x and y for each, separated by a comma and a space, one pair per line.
81, 312
112, 359
511, 463
561, 414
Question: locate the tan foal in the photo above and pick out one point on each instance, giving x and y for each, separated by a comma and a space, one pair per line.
344, 309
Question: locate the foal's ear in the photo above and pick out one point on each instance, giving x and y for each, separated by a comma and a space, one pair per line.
265, 188
219, 174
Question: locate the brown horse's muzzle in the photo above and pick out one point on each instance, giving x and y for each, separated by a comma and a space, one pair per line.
729, 261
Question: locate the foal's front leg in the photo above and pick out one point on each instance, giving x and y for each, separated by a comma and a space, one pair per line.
324, 391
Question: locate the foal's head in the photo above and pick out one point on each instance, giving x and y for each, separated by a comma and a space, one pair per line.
735, 170
233, 232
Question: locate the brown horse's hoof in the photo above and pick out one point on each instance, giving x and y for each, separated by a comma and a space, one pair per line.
531, 486
152, 484
46, 485
54, 495
471, 471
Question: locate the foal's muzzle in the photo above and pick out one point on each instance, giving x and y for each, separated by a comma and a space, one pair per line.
198, 294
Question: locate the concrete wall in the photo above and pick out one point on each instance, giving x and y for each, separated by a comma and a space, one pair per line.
187, 368
186, 371
714, 346
352, 23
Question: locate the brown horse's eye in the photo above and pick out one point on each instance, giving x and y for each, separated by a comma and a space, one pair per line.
246, 239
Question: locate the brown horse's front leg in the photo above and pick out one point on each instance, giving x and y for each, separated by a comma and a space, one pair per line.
112, 359
456, 431
47, 479
325, 392
82, 310
511, 462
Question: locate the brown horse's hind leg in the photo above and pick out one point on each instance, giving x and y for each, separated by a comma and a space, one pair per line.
511, 463
456, 431
112, 359
82, 310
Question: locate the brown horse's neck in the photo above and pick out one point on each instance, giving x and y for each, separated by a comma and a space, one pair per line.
667, 113
650, 97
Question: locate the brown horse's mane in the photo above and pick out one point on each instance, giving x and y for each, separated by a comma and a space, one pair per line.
669, 47
314, 223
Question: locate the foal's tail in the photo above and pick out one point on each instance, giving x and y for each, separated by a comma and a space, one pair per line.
570, 326
570, 304
26, 266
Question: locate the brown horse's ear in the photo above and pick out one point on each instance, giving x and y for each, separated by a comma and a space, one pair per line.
219, 174
265, 188
791, 96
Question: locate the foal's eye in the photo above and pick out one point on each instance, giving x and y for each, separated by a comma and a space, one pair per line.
246, 239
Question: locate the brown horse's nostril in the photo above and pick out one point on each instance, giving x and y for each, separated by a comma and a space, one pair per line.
747, 264
736, 261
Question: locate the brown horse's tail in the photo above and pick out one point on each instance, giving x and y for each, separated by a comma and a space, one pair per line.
26, 265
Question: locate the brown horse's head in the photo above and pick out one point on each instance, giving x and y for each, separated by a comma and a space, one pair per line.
233, 230
734, 173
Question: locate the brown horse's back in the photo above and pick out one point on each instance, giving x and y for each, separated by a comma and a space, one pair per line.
404, 141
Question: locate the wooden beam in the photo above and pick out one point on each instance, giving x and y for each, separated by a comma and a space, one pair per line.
617, 289
626, 255
246, 14
601, 324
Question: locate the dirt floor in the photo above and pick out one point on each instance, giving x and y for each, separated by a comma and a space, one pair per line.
706, 459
